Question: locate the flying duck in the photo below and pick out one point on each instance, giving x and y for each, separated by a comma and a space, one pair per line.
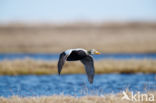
79, 54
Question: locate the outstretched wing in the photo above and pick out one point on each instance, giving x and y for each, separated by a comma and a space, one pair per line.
89, 67
61, 62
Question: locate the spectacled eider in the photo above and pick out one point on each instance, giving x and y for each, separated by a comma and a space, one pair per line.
79, 54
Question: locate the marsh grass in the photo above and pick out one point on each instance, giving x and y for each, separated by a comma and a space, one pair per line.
29, 66
108, 98
119, 37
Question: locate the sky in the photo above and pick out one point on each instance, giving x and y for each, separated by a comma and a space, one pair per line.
77, 10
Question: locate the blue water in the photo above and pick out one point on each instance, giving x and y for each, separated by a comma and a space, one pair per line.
12, 56
75, 85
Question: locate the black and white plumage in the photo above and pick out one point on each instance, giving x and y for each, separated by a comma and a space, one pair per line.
79, 54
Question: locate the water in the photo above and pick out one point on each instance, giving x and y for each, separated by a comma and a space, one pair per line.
75, 85
42, 56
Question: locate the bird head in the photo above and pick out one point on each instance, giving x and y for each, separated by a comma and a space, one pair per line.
93, 51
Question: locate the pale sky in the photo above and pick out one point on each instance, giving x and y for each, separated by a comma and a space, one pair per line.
72, 10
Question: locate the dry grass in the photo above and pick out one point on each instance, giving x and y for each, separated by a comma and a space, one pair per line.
29, 66
106, 37
109, 98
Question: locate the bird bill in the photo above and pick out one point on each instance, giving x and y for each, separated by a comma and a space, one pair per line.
96, 52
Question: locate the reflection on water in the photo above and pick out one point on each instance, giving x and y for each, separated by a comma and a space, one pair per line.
76, 84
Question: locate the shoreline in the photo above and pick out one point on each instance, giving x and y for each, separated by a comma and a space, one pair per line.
107, 98
107, 66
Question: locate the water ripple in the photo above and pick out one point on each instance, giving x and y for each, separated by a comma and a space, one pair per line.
76, 84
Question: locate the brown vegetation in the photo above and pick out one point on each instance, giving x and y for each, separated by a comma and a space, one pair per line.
29, 66
109, 98
106, 37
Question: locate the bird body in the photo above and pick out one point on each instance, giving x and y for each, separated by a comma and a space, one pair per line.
79, 54
76, 55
